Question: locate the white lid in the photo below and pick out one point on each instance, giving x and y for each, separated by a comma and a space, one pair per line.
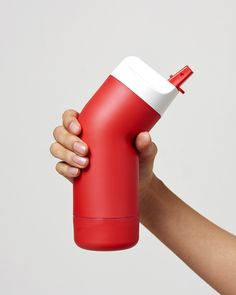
146, 83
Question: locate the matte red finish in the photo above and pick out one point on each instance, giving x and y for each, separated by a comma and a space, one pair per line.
106, 201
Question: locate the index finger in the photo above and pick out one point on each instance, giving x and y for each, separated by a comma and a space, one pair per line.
70, 121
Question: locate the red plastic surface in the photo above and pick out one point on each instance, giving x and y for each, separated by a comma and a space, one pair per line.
106, 204
180, 77
106, 234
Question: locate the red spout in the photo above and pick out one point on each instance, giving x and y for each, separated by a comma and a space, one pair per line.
180, 77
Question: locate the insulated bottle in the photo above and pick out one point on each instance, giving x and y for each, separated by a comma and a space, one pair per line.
106, 193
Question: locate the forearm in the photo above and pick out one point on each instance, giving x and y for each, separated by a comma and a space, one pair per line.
206, 248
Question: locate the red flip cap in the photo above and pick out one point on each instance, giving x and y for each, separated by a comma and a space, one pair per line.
180, 77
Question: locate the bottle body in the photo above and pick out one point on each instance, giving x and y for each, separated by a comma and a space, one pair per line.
105, 195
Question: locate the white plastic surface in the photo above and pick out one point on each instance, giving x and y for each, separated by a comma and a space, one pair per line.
146, 83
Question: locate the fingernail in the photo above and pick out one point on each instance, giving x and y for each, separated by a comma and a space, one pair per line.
80, 160
74, 127
80, 148
73, 171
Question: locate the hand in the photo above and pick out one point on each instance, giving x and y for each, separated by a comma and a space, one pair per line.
72, 151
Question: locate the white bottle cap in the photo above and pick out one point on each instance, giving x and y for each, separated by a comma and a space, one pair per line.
146, 83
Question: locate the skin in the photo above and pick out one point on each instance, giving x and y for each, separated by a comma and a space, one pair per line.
206, 248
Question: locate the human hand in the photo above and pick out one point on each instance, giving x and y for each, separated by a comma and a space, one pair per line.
73, 152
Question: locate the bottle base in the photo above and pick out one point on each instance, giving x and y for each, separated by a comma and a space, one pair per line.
106, 234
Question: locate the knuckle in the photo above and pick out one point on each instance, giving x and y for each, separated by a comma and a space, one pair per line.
65, 113
155, 149
57, 131
53, 148
68, 113
59, 168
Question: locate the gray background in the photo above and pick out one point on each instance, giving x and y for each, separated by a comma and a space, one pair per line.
54, 55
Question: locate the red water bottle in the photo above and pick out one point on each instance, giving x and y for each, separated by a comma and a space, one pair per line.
106, 201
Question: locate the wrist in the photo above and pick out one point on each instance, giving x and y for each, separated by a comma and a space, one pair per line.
155, 190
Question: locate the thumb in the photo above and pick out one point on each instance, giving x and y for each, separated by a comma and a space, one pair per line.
146, 148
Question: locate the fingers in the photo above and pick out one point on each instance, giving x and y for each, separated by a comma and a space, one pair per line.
67, 156
70, 121
146, 148
69, 148
70, 141
67, 171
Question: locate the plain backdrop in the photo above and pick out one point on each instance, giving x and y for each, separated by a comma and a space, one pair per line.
53, 56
